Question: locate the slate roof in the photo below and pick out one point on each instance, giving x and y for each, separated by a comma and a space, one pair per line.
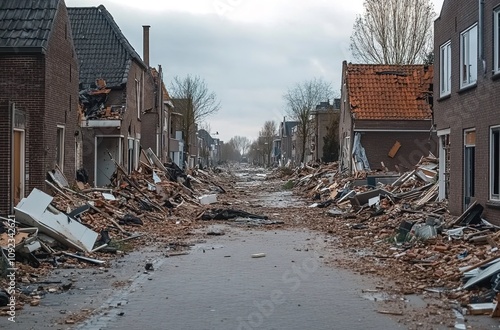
25, 25
102, 49
390, 92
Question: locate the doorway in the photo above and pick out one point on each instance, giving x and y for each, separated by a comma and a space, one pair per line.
469, 167
18, 167
106, 147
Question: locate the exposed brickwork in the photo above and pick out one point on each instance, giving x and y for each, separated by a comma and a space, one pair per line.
45, 86
475, 108
413, 147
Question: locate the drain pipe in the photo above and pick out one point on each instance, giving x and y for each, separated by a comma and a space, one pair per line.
480, 25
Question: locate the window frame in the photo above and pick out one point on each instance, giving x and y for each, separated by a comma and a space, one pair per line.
445, 69
494, 168
496, 40
60, 145
466, 58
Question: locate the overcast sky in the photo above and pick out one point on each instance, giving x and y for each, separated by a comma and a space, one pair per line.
248, 51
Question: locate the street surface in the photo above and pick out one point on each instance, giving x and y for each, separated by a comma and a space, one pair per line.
220, 286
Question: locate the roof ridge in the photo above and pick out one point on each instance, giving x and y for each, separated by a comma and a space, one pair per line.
121, 37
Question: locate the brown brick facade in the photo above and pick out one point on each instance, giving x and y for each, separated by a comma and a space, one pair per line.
472, 108
45, 87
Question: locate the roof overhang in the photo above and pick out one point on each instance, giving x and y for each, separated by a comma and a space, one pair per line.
101, 123
22, 50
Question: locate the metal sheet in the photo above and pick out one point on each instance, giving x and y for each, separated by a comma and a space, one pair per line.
34, 211
483, 275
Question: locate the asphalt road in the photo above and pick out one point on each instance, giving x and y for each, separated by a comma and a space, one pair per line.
219, 285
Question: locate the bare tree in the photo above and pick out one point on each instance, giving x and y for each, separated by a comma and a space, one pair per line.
393, 32
240, 143
229, 153
199, 103
266, 137
301, 100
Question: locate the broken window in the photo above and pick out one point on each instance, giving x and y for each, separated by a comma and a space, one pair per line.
60, 146
495, 163
468, 56
445, 69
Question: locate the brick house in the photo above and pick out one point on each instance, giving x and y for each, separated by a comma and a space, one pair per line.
116, 89
467, 58
283, 144
38, 97
155, 121
325, 119
386, 116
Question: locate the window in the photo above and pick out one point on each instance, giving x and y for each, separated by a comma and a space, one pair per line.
60, 146
468, 57
138, 95
496, 40
445, 69
495, 163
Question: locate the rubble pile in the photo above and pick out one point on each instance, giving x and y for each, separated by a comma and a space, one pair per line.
79, 225
393, 226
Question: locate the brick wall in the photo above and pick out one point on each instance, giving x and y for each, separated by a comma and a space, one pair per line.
61, 95
148, 136
5, 149
149, 121
45, 87
21, 82
474, 108
413, 147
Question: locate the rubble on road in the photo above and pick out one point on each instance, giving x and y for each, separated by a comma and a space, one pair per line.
81, 226
391, 224
394, 227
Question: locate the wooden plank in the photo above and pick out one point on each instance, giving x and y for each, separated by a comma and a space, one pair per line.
496, 309
479, 309
394, 149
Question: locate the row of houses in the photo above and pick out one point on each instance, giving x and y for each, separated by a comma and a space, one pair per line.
76, 97
392, 115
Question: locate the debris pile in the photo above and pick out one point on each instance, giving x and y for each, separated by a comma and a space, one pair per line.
79, 225
394, 226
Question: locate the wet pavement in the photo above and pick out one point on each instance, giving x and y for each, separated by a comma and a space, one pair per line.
248, 278
219, 285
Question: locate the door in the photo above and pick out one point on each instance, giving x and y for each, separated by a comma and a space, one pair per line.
105, 167
469, 167
18, 167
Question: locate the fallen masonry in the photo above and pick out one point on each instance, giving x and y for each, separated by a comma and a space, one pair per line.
396, 228
391, 223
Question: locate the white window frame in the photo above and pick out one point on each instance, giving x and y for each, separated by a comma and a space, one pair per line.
138, 97
496, 40
494, 195
60, 143
445, 69
468, 56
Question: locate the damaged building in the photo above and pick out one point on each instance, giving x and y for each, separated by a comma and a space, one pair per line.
386, 116
116, 89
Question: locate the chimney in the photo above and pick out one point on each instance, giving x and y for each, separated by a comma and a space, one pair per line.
145, 44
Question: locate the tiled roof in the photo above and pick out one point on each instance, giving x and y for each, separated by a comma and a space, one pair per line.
102, 49
25, 25
389, 92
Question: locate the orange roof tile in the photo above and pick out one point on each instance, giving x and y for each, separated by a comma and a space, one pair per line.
389, 92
